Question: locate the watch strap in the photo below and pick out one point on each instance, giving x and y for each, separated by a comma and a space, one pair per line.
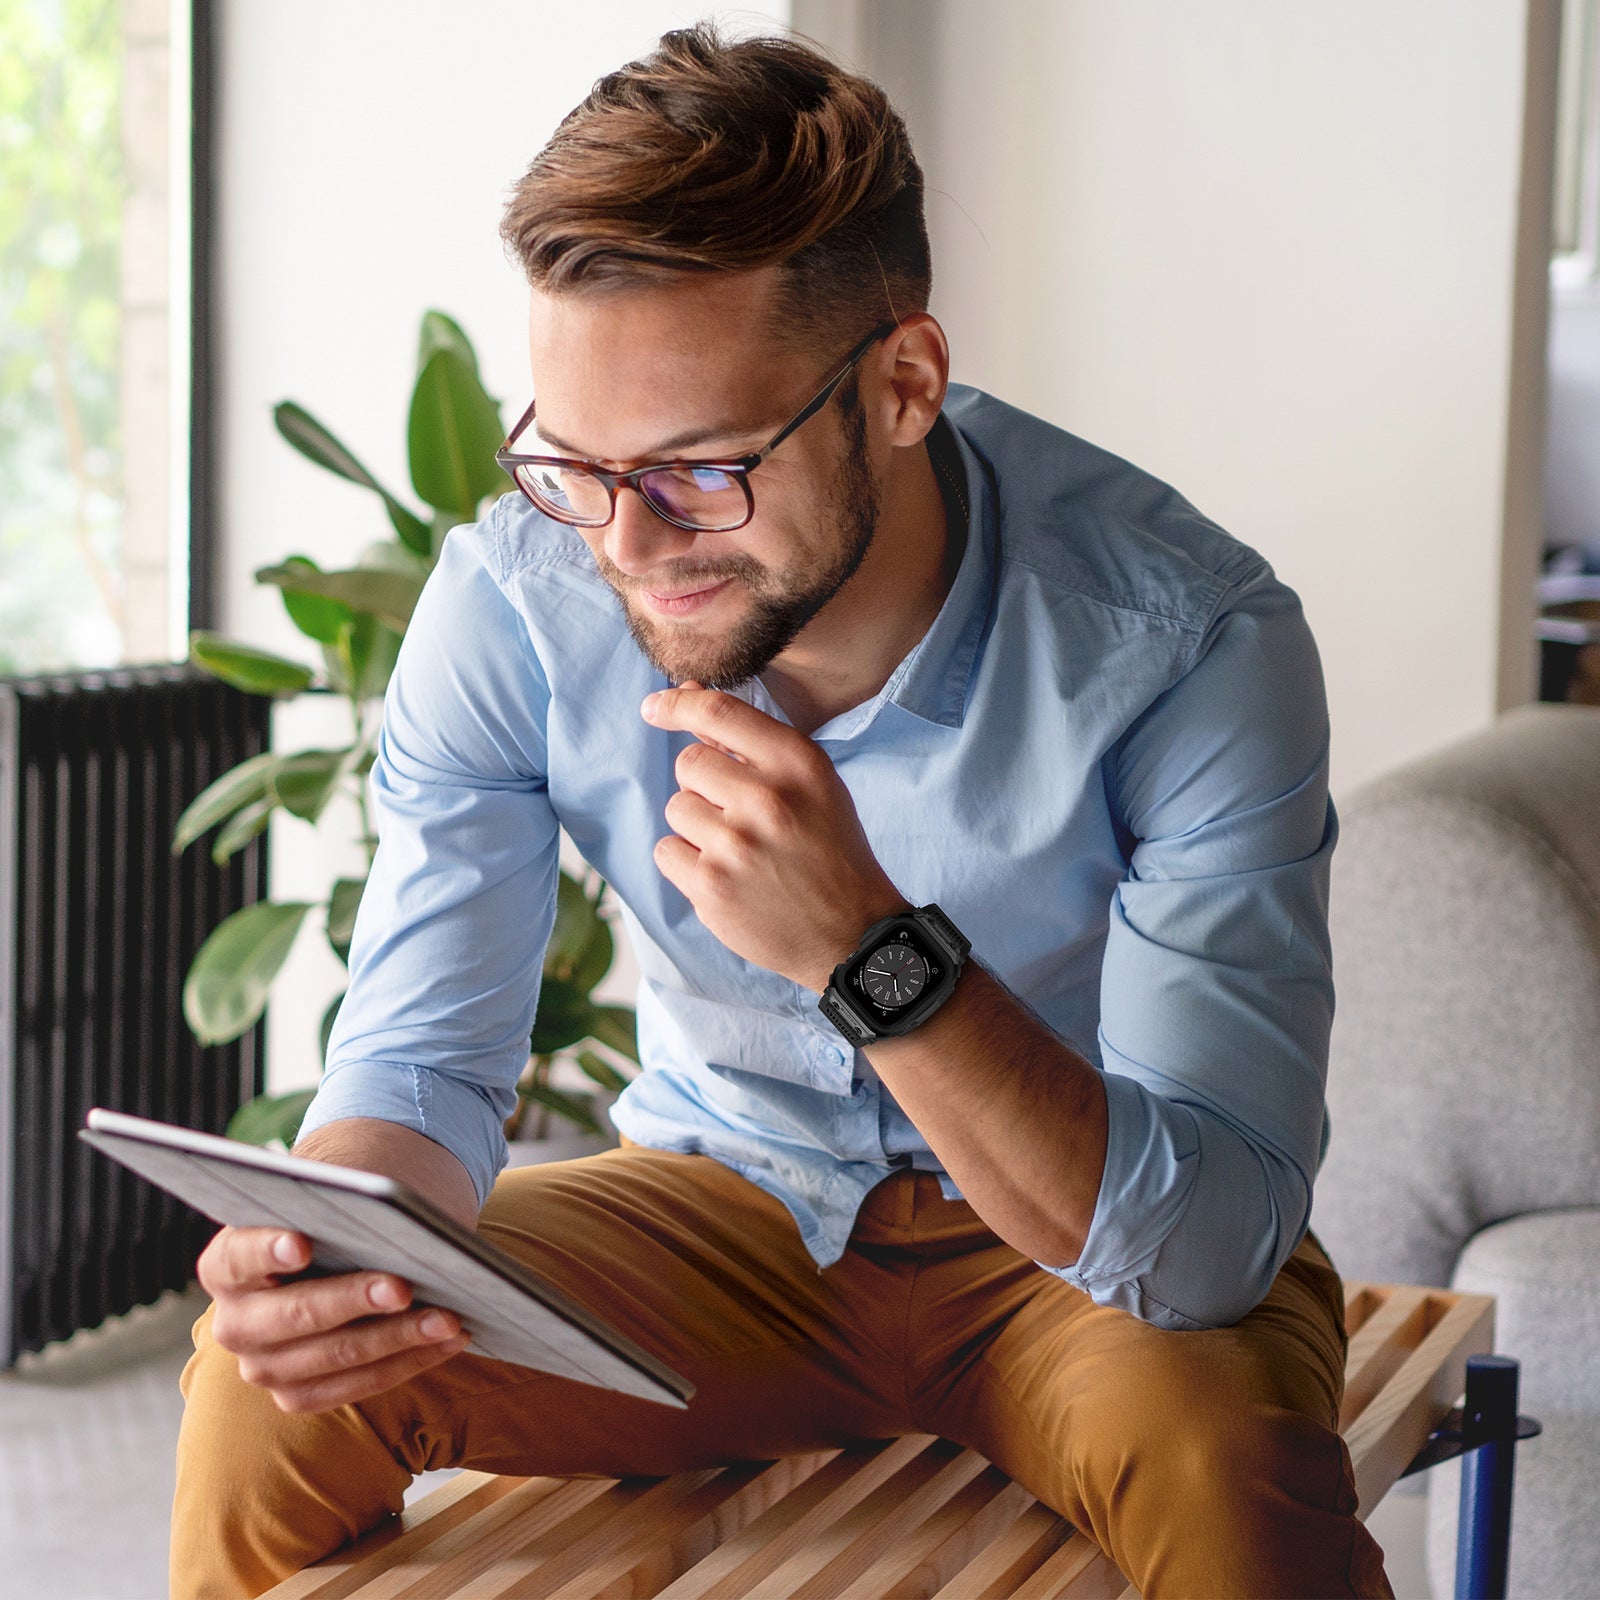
844, 1019
956, 942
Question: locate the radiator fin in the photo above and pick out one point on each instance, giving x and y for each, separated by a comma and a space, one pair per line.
98, 924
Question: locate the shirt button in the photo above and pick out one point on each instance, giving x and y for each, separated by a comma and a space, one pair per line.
836, 1055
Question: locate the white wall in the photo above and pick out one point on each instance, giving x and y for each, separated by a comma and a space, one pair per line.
1269, 252
1287, 257
365, 155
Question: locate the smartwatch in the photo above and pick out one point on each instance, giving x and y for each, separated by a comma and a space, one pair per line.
904, 969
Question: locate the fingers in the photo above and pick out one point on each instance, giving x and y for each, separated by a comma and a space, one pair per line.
248, 1258
349, 1349
315, 1343
254, 1320
325, 1392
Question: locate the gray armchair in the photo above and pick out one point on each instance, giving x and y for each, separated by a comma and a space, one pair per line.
1464, 1088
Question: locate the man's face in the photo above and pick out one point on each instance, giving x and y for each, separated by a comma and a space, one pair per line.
629, 376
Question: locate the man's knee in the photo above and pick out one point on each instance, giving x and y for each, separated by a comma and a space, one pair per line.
261, 1491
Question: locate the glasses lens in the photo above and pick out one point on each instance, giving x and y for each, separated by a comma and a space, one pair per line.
568, 493
703, 497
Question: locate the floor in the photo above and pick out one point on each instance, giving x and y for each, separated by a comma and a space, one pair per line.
87, 1430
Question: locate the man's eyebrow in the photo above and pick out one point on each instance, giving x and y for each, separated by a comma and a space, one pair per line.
665, 448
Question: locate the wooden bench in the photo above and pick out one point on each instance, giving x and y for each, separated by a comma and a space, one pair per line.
915, 1516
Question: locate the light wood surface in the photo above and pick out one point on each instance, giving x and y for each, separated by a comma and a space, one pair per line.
916, 1518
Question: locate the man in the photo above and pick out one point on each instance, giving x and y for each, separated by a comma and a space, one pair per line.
791, 641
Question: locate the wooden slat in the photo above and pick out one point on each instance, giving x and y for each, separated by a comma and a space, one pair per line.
532, 1512
1079, 1567
358, 1567
1384, 1341
1360, 1301
1385, 1438
669, 1544
922, 1560
630, 1507
893, 1509
913, 1517
737, 1570
1018, 1553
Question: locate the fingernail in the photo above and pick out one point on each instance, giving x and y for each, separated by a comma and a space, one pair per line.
647, 706
385, 1292
435, 1325
286, 1249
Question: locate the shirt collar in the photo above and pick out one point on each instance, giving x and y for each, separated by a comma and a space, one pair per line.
933, 681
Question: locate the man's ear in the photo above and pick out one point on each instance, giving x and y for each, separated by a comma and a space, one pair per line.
915, 363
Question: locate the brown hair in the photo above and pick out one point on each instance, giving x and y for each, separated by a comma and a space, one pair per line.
710, 155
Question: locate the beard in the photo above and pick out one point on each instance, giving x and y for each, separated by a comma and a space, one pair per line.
776, 616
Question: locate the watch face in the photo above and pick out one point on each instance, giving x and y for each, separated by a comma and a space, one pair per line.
894, 975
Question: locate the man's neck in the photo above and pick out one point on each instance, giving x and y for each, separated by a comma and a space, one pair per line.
847, 653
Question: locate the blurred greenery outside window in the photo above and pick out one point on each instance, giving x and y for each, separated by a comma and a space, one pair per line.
93, 324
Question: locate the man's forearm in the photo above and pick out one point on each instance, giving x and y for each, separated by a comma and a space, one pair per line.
1017, 1117
372, 1145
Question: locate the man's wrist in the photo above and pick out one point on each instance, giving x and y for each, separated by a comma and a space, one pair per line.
392, 1150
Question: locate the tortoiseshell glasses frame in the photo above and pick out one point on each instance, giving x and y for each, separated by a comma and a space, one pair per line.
701, 496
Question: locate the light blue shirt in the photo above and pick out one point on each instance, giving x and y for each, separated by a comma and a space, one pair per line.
1106, 760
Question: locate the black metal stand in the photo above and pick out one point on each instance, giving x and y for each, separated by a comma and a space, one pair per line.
1484, 1433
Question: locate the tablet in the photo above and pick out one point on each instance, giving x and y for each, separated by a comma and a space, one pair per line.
361, 1221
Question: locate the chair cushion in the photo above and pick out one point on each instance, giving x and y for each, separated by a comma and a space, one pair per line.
1464, 1078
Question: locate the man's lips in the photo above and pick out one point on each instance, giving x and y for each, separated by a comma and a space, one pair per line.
685, 601
683, 594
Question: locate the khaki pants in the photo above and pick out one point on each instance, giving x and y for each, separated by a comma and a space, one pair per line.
1205, 1463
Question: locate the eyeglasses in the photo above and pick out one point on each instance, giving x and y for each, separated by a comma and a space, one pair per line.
700, 496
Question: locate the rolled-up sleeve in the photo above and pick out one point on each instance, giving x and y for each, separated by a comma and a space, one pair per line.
449, 940
1216, 986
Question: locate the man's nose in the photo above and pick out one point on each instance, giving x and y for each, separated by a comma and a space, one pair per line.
637, 540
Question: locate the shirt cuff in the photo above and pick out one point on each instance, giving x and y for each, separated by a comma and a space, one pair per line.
1152, 1166
463, 1117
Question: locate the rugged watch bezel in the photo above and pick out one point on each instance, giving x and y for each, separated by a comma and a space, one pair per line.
852, 1010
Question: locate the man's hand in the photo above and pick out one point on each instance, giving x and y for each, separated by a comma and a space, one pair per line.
322, 1342
766, 844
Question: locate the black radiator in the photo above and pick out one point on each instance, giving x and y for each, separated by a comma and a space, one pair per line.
98, 924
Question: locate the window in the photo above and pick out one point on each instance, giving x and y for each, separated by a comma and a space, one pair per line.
1575, 242
96, 237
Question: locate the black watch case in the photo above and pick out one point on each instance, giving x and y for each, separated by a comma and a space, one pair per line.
898, 979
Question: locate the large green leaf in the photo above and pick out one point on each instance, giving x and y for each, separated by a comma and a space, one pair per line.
388, 595
226, 989
314, 615
453, 433
271, 1116
367, 651
616, 1026
245, 667
325, 1032
313, 441
441, 332
240, 829
562, 1019
343, 904
238, 787
304, 783
564, 1105
601, 1071
581, 947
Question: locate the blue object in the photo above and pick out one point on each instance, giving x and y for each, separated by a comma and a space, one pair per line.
1488, 1463
1106, 760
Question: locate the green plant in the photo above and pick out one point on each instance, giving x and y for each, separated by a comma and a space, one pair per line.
357, 617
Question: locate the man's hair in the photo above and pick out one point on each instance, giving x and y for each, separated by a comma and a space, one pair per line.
716, 155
